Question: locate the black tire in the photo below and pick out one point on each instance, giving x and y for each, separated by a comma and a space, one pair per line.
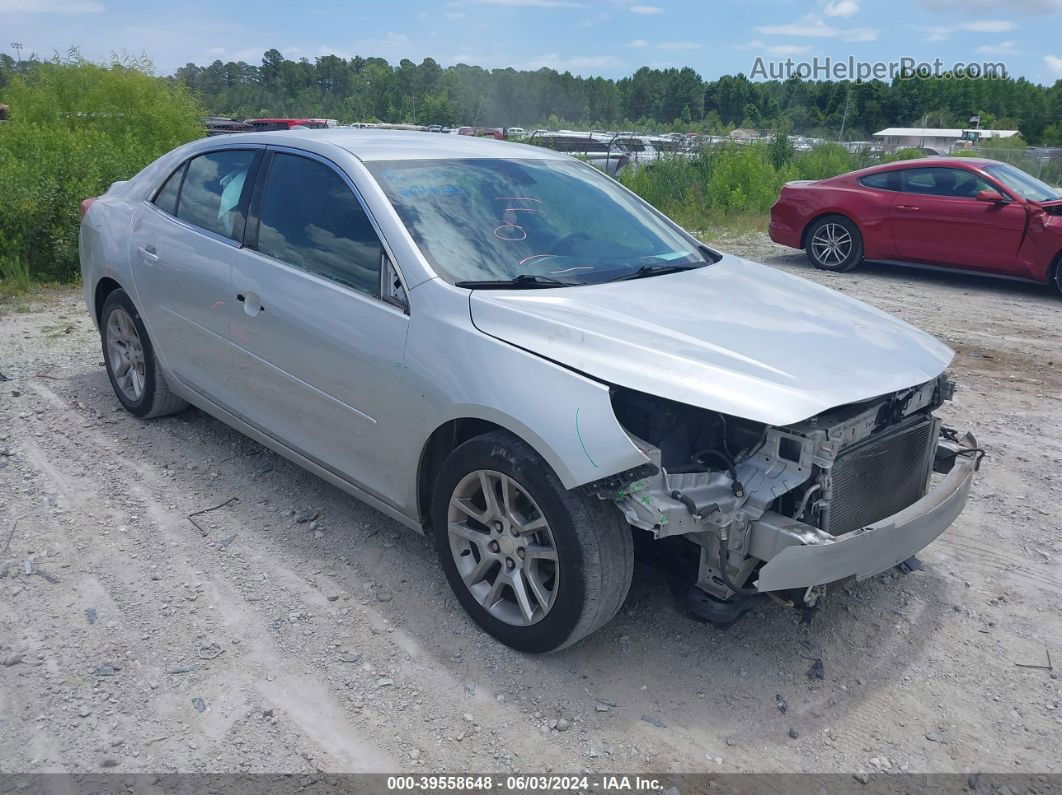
1056, 280
595, 551
826, 261
156, 399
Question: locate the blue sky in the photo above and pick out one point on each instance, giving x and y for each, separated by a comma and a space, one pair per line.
602, 37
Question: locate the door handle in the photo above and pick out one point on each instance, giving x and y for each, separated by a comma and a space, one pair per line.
909, 207
148, 253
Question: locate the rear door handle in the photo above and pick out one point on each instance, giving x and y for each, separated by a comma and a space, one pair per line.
148, 253
908, 207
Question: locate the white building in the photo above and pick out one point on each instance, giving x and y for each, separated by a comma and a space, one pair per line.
941, 141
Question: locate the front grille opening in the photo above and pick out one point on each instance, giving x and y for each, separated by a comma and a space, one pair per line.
880, 476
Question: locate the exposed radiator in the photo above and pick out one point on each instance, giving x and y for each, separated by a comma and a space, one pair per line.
880, 476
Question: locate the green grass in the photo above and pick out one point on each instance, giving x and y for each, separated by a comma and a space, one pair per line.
15, 278
732, 226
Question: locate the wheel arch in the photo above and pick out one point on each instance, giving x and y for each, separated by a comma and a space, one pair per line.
1053, 272
454, 432
441, 442
104, 287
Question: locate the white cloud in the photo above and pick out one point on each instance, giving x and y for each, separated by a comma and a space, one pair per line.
812, 27
577, 62
1054, 65
789, 49
989, 26
678, 45
455, 15
534, 3
755, 44
1003, 48
638, 43
996, 6
937, 33
50, 7
647, 10
841, 8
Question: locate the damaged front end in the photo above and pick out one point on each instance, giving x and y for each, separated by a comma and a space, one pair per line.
848, 493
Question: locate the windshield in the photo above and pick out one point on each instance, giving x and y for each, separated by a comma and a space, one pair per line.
496, 220
1025, 185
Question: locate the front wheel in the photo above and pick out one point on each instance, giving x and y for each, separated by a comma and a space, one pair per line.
834, 244
535, 565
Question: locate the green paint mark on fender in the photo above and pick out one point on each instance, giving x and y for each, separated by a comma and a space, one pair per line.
581, 442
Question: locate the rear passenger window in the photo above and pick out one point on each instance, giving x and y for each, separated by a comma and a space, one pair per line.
167, 197
886, 180
310, 218
213, 187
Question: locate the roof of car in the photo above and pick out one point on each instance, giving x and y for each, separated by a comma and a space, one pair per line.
922, 162
371, 145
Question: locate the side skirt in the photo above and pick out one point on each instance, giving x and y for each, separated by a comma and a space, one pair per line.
956, 269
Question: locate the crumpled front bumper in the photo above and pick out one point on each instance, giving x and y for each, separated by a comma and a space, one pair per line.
809, 557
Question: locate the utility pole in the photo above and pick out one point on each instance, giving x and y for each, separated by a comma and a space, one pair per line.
414, 108
17, 46
844, 119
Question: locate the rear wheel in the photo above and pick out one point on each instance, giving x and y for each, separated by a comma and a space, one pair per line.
535, 565
134, 371
833, 243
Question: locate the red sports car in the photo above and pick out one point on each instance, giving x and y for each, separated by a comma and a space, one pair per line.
962, 212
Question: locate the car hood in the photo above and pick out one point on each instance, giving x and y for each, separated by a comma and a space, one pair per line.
736, 337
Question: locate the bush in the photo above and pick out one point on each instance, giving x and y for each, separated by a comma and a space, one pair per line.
828, 160
903, 154
723, 180
75, 128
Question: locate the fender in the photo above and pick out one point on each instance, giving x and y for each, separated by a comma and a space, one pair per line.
577, 432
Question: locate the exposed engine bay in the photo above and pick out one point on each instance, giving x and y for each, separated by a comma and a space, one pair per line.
740, 492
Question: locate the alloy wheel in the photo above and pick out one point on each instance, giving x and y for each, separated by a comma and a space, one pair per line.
503, 547
125, 353
831, 244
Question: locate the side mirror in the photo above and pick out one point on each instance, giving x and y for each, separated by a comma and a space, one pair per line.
991, 196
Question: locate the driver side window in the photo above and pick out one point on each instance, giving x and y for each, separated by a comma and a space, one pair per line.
955, 183
310, 219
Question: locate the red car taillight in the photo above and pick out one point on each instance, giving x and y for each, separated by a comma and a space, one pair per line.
85, 204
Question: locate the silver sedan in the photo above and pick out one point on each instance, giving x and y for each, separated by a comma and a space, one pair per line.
501, 346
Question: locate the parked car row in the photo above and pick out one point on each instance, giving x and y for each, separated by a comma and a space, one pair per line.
387, 309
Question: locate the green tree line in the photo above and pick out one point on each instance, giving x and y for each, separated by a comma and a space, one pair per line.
371, 89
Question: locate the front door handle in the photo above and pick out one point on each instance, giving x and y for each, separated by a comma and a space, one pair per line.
252, 305
148, 253
909, 207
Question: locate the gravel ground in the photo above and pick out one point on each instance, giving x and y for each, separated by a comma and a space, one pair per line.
133, 638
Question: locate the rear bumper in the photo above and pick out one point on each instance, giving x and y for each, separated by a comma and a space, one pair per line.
800, 556
783, 233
